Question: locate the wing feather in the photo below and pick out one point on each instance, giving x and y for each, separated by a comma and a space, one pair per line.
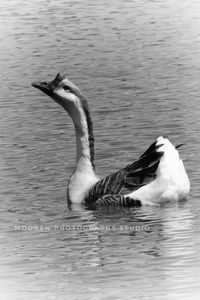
117, 200
128, 179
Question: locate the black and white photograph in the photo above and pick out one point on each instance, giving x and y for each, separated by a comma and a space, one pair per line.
99, 150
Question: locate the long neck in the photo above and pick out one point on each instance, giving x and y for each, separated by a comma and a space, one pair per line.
83, 177
84, 134
84, 146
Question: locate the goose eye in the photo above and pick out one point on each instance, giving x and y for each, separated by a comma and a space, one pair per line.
66, 88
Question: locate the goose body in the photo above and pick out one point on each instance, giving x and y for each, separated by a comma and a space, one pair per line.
158, 176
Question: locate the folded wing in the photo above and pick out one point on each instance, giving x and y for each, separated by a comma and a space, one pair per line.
128, 179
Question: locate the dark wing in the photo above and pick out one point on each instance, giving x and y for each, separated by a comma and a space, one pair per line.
129, 179
118, 200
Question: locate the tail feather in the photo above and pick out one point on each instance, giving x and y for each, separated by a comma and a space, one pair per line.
180, 145
153, 147
148, 158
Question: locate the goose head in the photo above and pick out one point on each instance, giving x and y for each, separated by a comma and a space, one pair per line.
61, 90
68, 95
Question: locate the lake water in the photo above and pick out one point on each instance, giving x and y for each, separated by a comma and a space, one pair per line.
138, 62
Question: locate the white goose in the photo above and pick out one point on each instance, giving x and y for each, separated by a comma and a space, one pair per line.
158, 175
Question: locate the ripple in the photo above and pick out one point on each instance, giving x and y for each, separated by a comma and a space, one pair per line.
138, 64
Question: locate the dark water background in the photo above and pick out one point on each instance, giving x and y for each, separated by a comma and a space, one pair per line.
138, 62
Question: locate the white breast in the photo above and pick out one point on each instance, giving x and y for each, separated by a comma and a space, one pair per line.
81, 181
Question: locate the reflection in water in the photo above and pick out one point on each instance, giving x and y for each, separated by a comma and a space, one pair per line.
137, 61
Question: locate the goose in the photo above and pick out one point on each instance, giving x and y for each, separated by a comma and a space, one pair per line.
157, 176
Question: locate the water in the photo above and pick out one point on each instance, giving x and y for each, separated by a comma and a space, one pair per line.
138, 62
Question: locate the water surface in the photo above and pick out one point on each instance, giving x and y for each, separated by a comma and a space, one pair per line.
138, 62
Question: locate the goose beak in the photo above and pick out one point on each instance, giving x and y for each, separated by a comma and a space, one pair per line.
45, 87
48, 87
